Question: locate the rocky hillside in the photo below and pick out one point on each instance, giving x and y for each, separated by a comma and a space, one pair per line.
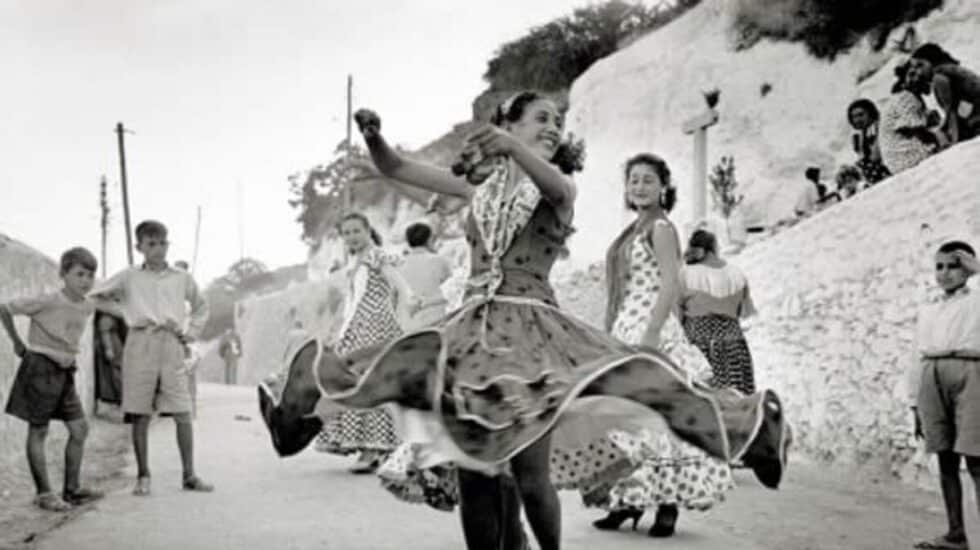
637, 100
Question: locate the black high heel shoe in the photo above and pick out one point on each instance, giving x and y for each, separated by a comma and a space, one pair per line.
665, 522
616, 518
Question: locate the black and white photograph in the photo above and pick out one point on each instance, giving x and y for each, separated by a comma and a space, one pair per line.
509, 275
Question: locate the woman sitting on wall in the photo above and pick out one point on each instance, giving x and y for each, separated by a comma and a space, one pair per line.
864, 117
906, 135
957, 90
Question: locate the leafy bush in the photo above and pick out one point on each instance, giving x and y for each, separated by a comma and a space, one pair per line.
826, 27
551, 56
724, 185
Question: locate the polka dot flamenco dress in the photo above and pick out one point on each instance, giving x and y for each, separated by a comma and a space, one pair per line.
671, 471
373, 321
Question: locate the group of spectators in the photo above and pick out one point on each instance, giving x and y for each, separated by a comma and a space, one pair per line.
905, 132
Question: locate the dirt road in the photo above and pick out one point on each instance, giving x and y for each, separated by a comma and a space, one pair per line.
311, 502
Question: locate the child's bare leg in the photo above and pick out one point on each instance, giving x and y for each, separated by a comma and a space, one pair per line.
542, 507
74, 450
952, 488
973, 466
141, 431
185, 443
36, 459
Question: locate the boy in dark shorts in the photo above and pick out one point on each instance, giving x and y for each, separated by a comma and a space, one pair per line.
947, 406
44, 386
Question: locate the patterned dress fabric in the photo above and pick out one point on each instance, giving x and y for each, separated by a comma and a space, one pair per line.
372, 322
721, 340
671, 471
869, 161
507, 368
903, 111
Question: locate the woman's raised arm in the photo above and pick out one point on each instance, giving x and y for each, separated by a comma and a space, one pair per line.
393, 165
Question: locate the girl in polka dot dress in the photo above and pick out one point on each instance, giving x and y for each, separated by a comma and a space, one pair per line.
499, 376
370, 317
642, 266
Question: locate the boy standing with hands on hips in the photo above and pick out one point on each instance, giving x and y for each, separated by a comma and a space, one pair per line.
153, 299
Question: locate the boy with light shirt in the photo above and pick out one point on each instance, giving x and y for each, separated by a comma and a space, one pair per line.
153, 298
947, 400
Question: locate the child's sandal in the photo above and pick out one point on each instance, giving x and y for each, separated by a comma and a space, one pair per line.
51, 503
142, 488
195, 483
81, 496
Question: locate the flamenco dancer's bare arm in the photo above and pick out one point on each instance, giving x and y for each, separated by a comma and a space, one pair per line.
407, 171
666, 250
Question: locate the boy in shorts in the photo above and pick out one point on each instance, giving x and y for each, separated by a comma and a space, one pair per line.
153, 298
947, 409
44, 386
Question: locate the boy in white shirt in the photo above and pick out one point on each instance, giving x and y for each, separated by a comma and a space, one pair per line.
947, 403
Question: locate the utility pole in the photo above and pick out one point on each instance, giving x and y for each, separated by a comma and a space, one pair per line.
120, 130
197, 239
348, 191
104, 222
241, 224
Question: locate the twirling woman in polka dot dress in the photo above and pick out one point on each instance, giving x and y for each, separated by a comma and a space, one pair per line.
501, 373
642, 266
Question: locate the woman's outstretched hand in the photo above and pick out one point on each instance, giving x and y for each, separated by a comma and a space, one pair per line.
368, 123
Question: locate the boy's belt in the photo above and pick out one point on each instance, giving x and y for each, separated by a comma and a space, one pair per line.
964, 355
159, 328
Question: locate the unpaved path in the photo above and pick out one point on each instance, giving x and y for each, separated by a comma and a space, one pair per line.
311, 502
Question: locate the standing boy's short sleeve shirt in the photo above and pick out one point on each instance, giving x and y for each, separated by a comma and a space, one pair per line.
57, 324
951, 324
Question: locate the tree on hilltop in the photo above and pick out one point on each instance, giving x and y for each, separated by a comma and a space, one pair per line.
827, 28
551, 56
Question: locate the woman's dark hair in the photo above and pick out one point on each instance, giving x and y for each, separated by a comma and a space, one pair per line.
705, 240
375, 236
669, 197
418, 234
867, 105
569, 156
934, 54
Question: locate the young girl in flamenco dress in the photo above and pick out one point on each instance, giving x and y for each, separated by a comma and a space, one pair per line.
497, 375
373, 291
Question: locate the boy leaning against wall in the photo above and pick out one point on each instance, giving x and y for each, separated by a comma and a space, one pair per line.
947, 400
44, 386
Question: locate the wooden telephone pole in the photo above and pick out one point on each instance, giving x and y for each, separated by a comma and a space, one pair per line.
348, 193
104, 222
197, 239
120, 130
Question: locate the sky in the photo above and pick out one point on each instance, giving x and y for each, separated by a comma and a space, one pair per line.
225, 99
